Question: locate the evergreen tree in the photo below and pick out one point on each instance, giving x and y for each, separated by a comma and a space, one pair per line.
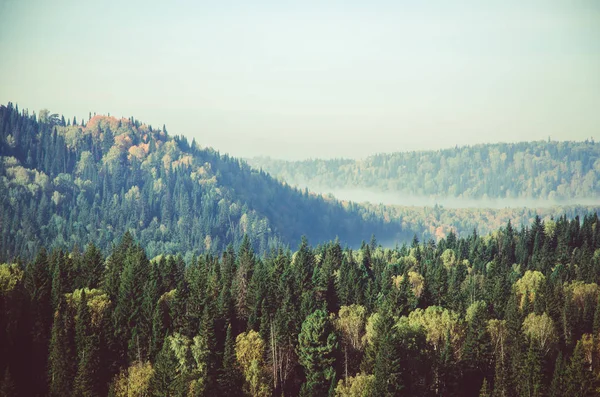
317, 348
62, 358
579, 377
447, 371
92, 267
114, 266
558, 387
209, 358
476, 355
87, 382
241, 282
166, 379
230, 380
38, 286
532, 377
387, 362
131, 326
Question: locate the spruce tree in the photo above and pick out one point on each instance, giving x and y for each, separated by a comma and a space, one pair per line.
62, 358
230, 379
38, 283
92, 267
209, 343
386, 367
86, 339
317, 348
532, 378
132, 327
579, 377
476, 354
558, 387
165, 379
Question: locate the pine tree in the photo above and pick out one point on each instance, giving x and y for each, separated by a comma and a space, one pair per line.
230, 379
303, 265
92, 267
448, 369
166, 379
114, 266
58, 276
501, 379
38, 285
131, 326
558, 387
317, 347
387, 361
208, 342
88, 368
62, 358
476, 354
579, 377
514, 321
245, 269
532, 377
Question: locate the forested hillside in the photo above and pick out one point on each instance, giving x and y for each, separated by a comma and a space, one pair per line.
515, 313
66, 183
541, 170
437, 222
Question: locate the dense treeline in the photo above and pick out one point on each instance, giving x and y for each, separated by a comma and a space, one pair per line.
544, 170
64, 183
514, 313
437, 222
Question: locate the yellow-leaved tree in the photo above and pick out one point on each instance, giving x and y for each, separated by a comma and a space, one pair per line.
249, 351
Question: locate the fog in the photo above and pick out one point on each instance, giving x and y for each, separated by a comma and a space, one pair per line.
398, 198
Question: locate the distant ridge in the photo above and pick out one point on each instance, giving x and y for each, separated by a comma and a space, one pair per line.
534, 170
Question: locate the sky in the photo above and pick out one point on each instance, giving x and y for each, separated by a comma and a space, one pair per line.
310, 79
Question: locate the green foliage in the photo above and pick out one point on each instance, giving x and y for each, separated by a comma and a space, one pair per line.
502, 170
317, 347
91, 184
414, 321
230, 380
558, 386
167, 379
386, 367
249, 351
356, 386
62, 358
579, 377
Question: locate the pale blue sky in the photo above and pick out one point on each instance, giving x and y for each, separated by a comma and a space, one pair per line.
313, 78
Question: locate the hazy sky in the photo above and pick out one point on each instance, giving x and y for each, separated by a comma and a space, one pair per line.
313, 78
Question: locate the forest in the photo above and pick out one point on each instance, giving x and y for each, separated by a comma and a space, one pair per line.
135, 263
512, 313
437, 222
66, 182
529, 170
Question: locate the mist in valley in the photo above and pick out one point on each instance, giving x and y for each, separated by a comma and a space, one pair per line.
401, 199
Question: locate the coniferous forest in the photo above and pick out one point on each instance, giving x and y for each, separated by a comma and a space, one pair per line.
528, 170
73, 182
299, 198
514, 313
134, 263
